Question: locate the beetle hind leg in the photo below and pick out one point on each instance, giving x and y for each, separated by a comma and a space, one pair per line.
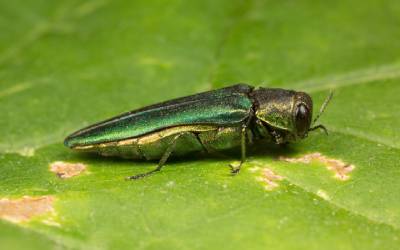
161, 163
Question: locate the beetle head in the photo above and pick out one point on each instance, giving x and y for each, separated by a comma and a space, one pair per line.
286, 114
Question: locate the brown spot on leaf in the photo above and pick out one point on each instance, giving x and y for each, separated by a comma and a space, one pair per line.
269, 178
66, 170
23, 209
338, 167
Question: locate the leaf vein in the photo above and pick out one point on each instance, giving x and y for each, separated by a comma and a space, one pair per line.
356, 77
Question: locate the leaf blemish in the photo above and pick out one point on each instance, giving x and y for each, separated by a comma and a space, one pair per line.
25, 208
27, 152
321, 193
66, 170
170, 184
338, 167
269, 179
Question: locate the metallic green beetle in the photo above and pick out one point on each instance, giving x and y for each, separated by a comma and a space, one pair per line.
209, 121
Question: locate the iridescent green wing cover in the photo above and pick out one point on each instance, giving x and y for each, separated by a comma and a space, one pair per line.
222, 107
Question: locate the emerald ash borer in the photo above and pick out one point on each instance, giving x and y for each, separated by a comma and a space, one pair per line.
214, 120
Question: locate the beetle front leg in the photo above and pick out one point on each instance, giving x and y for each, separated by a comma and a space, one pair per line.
236, 169
162, 161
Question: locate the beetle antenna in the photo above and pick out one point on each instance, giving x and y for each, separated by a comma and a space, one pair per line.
323, 106
321, 110
320, 126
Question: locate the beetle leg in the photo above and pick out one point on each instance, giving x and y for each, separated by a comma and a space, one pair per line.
162, 161
236, 169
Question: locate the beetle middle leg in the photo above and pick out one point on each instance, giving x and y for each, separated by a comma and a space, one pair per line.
236, 169
162, 161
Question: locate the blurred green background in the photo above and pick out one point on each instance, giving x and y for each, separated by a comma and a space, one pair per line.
66, 64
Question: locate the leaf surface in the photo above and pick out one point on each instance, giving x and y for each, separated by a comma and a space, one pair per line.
67, 64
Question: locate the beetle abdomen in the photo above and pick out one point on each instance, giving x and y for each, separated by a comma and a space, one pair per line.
153, 146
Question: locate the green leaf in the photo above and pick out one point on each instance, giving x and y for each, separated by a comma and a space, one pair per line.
66, 64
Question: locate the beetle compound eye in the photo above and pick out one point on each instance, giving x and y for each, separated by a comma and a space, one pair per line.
303, 119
